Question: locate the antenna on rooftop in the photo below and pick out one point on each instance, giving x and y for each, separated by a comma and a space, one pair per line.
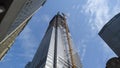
58, 13
64, 15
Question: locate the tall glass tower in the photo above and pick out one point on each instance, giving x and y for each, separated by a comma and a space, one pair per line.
56, 49
14, 15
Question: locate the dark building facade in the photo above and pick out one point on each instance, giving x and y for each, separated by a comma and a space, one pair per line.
14, 15
56, 49
110, 33
113, 63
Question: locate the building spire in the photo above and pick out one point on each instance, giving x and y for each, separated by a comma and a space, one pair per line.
58, 13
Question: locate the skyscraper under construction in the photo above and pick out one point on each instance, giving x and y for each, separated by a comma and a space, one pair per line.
56, 49
14, 15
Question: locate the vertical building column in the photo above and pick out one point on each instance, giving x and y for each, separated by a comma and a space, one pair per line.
55, 45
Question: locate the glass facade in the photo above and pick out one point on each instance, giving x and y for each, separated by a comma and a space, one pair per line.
110, 33
54, 50
14, 21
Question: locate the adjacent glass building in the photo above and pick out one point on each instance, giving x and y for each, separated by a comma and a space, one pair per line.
56, 49
110, 33
14, 15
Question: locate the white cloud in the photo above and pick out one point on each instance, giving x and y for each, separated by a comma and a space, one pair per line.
99, 12
67, 14
73, 7
46, 18
28, 43
116, 7
82, 48
84, 51
76, 6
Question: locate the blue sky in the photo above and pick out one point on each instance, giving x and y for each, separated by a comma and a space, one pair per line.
85, 19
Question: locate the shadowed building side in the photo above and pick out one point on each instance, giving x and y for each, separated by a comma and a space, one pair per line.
56, 49
9, 40
14, 16
110, 33
113, 63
